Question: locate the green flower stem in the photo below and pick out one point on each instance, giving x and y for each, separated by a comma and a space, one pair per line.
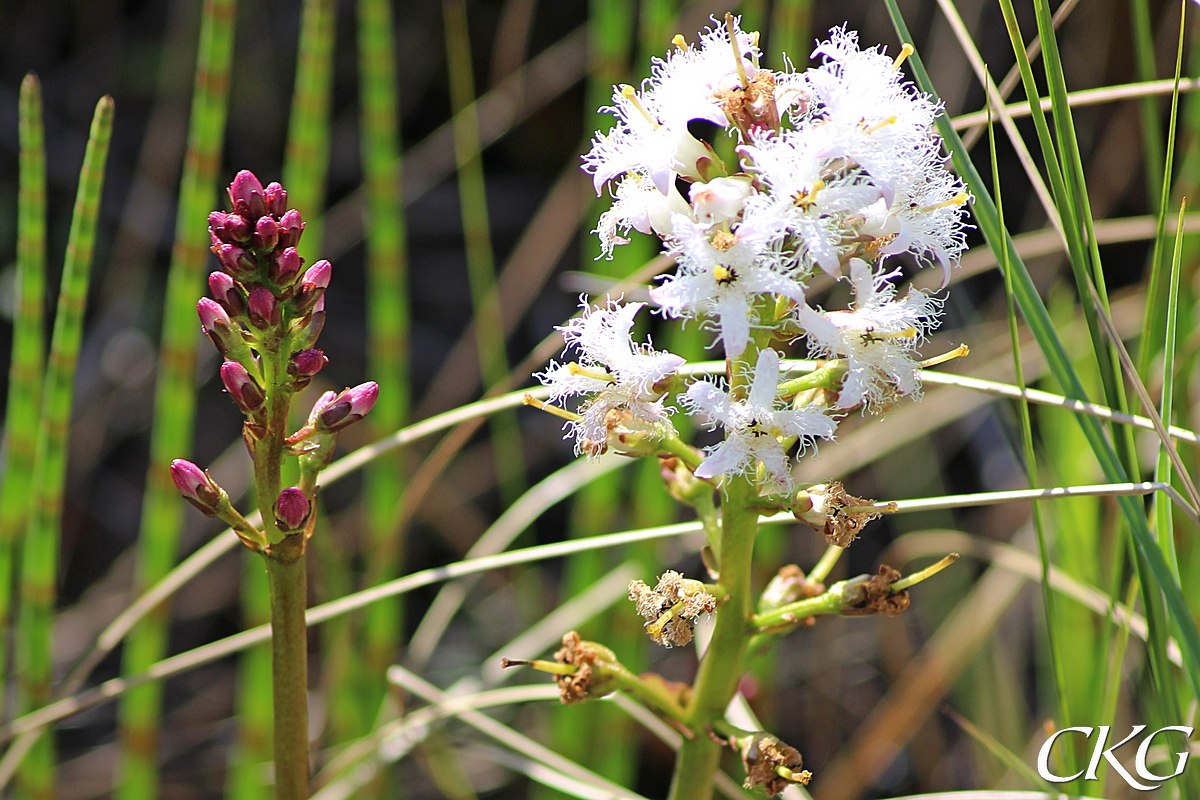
651, 693
828, 560
824, 377
674, 446
721, 668
839, 596
287, 576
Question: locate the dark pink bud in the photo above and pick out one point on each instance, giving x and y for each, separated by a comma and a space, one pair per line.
347, 408
318, 274
266, 233
246, 195
292, 509
196, 486
262, 307
235, 260
242, 388
285, 266
228, 228
291, 225
226, 293
307, 363
212, 316
276, 199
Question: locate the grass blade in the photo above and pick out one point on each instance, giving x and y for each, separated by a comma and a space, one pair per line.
174, 402
26, 369
39, 552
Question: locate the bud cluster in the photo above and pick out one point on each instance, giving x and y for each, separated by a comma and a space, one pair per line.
264, 317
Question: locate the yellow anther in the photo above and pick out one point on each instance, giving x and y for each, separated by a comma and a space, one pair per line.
880, 125
630, 94
737, 55
679, 42
906, 50
957, 200
958, 352
723, 274
723, 240
530, 400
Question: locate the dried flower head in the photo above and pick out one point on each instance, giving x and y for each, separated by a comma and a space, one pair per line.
671, 607
877, 597
769, 763
828, 509
595, 664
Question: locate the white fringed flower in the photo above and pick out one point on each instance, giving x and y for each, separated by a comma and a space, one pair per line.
614, 372
754, 426
720, 273
877, 337
641, 206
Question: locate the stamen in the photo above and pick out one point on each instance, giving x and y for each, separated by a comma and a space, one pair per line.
596, 375
906, 50
880, 125
958, 352
806, 198
723, 274
737, 55
630, 94
530, 400
723, 240
928, 572
957, 200
680, 42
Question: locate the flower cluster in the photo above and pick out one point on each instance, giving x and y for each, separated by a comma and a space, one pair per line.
839, 170
264, 318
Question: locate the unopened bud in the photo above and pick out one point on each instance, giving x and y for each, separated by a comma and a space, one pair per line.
228, 228
212, 316
263, 310
244, 390
291, 225
246, 196
276, 199
196, 486
318, 274
285, 266
226, 293
304, 365
292, 509
266, 233
235, 260
333, 413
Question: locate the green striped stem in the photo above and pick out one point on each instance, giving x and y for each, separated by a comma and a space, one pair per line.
307, 158
481, 267
174, 402
25, 373
39, 552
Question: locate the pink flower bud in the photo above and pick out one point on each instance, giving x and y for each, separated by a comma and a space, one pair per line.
266, 233
318, 274
226, 293
234, 260
307, 363
196, 486
285, 266
291, 225
212, 316
292, 509
262, 307
346, 408
228, 228
246, 195
276, 199
242, 388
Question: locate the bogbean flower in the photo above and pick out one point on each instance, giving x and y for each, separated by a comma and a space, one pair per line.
877, 337
754, 426
620, 378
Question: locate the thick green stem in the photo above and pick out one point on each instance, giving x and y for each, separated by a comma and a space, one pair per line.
289, 667
721, 668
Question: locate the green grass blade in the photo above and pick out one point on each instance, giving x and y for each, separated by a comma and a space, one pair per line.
791, 25
1060, 366
1162, 510
1152, 326
39, 552
481, 268
1152, 149
174, 402
25, 373
307, 157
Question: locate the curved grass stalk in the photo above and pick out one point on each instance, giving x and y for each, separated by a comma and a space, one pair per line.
555, 488
210, 652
